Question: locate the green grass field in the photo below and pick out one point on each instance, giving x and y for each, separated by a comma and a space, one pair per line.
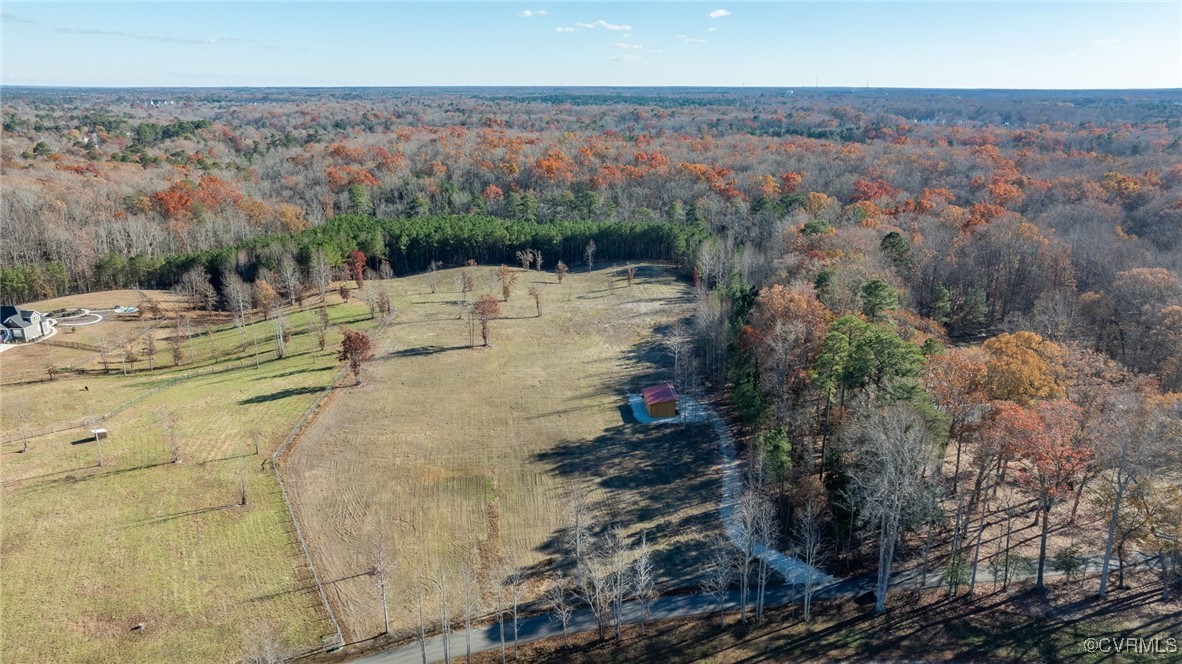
89, 552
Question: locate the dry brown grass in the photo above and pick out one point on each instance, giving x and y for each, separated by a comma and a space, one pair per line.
440, 432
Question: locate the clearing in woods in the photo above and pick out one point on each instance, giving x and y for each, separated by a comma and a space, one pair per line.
451, 454
88, 552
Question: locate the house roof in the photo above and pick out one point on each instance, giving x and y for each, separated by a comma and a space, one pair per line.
11, 316
659, 394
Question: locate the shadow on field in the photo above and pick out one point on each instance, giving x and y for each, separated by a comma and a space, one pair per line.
423, 350
660, 475
187, 513
294, 372
993, 626
281, 394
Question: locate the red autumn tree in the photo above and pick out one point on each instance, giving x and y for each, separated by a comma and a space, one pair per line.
357, 266
493, 194
956, 379
174, 202
1052, 455
873, 190
356, 349
486, 309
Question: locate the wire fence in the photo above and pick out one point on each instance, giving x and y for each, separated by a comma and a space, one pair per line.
94, 419
279, 453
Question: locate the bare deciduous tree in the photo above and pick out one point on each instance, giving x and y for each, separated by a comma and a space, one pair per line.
560, 271
1137, 433
589, 254
617, 556
526, 258
150, 349
370, 296
433, 275
289, 277
537, 297
558, 600
644, 587
810, 548
266, 647
719, 573
470, 595
594, 590
515, 582
381, 567
894, 451
172, 436
465, 283
579, 523
320, 274
422, 622
282, 335
440, 582
236, 295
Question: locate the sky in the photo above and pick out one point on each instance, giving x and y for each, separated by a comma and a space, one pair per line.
1052, 45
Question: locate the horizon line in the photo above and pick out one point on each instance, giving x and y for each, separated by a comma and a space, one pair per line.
442, 86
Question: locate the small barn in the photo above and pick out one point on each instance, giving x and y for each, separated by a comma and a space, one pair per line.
661, 400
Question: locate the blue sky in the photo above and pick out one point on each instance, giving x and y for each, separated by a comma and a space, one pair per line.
932, 44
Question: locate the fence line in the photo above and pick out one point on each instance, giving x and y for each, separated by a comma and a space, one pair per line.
105, 416
76, 345
292, 437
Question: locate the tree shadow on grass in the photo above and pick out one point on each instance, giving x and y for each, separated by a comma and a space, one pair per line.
660, 475
423, 350
281, 394
294, 372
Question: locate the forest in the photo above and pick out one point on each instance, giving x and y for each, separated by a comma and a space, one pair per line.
884, 277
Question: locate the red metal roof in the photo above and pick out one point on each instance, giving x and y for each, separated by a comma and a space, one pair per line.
659, 394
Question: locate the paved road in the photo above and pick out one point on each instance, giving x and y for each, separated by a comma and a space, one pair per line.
538, 627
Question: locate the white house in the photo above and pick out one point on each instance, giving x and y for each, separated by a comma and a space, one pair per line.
18, 324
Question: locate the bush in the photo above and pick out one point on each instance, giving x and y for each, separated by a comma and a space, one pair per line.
1069, 562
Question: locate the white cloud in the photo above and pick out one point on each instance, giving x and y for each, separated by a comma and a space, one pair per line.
598, 24
631, 58
532, 12
719, 13
690, 40
612, 26
712, 29
156, 38
1105, 41
636, 47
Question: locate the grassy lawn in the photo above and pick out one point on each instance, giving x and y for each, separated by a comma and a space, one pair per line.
89, 552
450, 453
992, 627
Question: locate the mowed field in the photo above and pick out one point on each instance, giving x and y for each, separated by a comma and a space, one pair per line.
88, 552
455, 456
